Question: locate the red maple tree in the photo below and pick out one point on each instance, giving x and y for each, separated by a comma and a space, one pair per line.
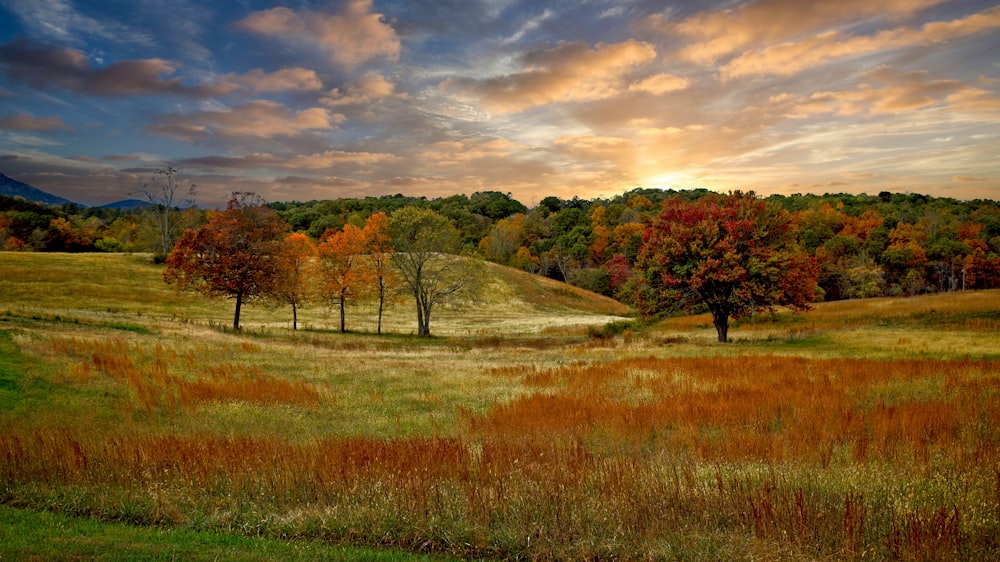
233, 255
735, 254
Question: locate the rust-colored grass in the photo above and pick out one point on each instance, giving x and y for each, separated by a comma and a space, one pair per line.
152, 384
821, 458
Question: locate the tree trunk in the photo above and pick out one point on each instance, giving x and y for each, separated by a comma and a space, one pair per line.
721, 321
381, 302
423, 322
343, 321
295, 318
236, 315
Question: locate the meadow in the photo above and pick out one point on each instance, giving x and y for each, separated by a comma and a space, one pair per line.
537, 424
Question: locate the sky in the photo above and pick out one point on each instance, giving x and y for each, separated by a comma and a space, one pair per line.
303, 100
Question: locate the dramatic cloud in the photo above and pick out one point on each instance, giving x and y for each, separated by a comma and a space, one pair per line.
284, 80
793, 57
351, 37
570, 71
314, 98
43, 66
28, 123
261, 119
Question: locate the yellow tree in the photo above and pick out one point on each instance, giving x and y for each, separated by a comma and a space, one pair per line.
342, 270
295, 273
378, 245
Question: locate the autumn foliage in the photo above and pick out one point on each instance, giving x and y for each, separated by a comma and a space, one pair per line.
237, 254
734, 254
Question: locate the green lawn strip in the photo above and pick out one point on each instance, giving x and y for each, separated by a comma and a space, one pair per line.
11, 366
27, 534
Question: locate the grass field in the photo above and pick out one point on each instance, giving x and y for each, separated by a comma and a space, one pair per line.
133, 422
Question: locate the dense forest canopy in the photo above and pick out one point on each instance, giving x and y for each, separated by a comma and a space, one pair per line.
865, 245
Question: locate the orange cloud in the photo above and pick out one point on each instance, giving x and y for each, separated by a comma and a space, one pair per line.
793, 57
262, 119
720, 33
285, 80
366, 89
897, 92
459, 152
351, 37
570, 71
24, 122
659, 84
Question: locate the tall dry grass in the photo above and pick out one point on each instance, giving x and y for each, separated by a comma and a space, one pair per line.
788, 457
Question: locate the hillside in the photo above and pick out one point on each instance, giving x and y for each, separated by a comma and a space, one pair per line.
127, 287
13, 188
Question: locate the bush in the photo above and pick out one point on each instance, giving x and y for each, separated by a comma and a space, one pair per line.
612, 329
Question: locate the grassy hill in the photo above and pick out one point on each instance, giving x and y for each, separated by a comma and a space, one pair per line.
125, 288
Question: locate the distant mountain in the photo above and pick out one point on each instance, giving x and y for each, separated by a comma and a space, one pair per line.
14, 188
127, 204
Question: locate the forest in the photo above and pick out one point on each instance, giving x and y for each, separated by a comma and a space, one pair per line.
890, 244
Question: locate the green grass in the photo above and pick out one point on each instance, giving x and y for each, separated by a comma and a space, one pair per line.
37, 535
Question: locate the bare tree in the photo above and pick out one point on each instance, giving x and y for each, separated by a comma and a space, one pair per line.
166, 196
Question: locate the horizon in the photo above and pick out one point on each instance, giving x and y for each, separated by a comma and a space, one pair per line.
356, 98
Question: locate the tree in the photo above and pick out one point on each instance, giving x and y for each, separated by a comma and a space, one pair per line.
167, 196
341, 269
379, 246
295, 269
426, 244
236, 254
734, 254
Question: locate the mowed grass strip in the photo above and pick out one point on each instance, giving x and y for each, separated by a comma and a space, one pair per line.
38, 535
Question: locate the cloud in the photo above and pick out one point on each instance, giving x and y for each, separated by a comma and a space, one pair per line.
717, 34
529, 26
659, 84
261, 119
294, 79
968, 179
365, 89
351, 37
24, 122
43, 66
59, 20
570, 71
318, 161
450, 153
793, 57
888, 91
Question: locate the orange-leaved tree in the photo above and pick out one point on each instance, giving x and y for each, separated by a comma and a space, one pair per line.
235, 254
378, 244
296, 266
343, 272
734, 254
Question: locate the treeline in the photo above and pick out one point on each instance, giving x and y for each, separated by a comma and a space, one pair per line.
865, 245
29, 226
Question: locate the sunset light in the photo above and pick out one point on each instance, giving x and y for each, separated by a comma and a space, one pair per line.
348, 98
